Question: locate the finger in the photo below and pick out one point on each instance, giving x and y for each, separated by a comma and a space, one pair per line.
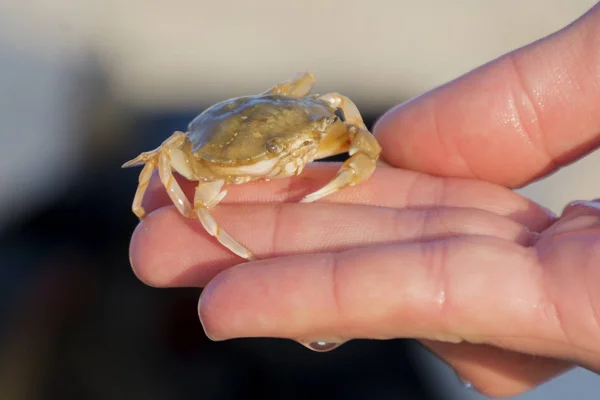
168, 250
496, 372
580, 208
476, 289
578, 217
570, 252
388, 187
579, 223
511, 121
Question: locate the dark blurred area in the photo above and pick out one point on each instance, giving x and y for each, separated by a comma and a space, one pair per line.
79, 325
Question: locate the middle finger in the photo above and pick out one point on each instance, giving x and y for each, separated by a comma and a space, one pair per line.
168, 250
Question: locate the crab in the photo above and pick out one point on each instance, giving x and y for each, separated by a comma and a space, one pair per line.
274, 134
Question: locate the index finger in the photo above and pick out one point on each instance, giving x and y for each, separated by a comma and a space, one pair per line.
387, 187
511, 121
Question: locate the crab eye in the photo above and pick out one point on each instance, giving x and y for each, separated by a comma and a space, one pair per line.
340, 114
274, 147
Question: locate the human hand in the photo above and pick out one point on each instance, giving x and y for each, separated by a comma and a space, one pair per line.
442, 259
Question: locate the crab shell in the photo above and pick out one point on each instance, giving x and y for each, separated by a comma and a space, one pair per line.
265, 136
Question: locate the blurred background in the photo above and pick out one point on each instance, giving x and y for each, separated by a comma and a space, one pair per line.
85, 85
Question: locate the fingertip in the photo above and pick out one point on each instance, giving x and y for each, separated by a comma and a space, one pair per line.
234, 300
578, 218
157, 251
581, 205
141, 264
511, 121
401, 121
265, 298
209, 308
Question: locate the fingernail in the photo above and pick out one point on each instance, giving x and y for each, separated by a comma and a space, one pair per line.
581, 203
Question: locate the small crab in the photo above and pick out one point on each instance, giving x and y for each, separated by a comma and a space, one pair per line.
266, 136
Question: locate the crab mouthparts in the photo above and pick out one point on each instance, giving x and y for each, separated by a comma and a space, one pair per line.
260, 168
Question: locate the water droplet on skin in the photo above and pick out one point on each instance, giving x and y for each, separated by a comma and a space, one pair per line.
322, 347
467, 384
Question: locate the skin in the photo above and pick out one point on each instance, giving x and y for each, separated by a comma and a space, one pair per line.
436, 245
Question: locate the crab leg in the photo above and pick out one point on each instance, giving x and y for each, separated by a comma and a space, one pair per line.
300, 86
148, 159
161, 158
364, 150
173, 189
143, 180
209, 194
